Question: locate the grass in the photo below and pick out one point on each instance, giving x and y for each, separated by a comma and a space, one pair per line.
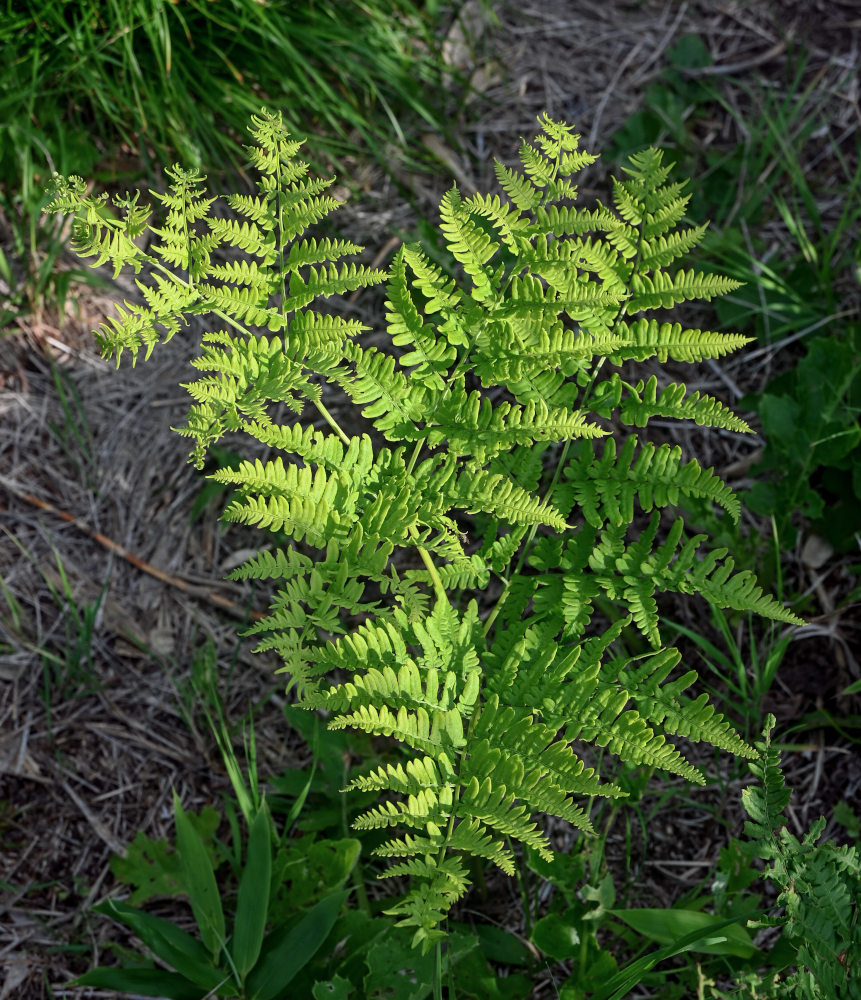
110, 90
66, 652
744, 671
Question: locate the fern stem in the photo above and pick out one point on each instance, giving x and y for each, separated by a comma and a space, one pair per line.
280, 236
330, 420
438, 586
527, 544
414, 457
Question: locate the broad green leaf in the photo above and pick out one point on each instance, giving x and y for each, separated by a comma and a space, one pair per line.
671, 926
337, 988
170, 943
476, 980
498, 945
557, 935
631, 975
286, 952
397, 971
144, 982
199, 880
253, 902
316, 869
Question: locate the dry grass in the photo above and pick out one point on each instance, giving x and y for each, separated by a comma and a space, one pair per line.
97, 714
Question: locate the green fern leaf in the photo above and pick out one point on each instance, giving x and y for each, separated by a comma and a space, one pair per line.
662, 704
646, 338
644, 402
663, 291
431, 358
605, 488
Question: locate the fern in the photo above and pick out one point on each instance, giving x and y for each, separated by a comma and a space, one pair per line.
490, 372
819, 886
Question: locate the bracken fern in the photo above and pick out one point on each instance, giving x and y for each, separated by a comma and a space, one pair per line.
819, 891
509, 378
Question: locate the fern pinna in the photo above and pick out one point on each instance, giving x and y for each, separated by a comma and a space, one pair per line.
507, 375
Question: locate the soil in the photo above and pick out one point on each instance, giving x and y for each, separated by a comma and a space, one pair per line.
113, 561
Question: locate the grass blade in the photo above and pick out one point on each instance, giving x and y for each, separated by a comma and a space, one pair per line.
289, 952
669, 926
199, 881
170, 943
253, 903
142, 982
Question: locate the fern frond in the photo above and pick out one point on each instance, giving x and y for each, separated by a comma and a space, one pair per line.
663, 291
184, 200
496, 808
387, 398
332, 281
246, 374
627, 735
253, 207
417, 811
476, 489
663, 704
418, 774
469, 244
247, 236
301, 503
245, 272
644, 402
303, 253
431, 358
467, 573
529, 356
317, 339
646, 338
604, 488
425, 906
661, 251
739, 591
247, 305
133, 328
526, 756
440, 291
471, 425
765, 802
642, 571
497, 356
571, 221
518, 188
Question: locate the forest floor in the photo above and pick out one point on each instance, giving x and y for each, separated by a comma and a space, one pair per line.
99, 720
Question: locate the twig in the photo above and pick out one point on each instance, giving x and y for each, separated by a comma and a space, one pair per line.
724, 69
191, 589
